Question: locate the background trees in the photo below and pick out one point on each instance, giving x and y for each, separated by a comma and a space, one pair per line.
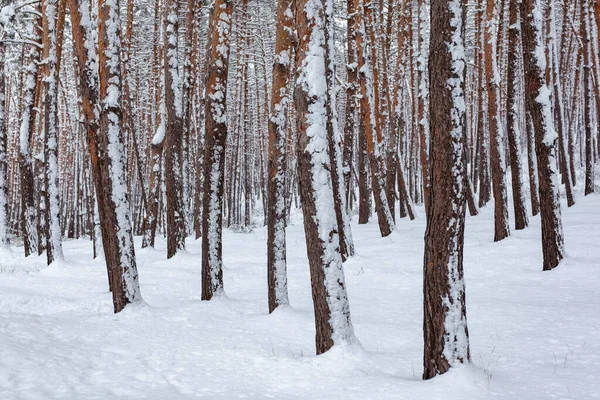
182, 121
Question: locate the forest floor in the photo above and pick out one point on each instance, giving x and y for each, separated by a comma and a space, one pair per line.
534, 334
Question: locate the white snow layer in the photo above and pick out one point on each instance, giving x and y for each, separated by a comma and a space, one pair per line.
533, 334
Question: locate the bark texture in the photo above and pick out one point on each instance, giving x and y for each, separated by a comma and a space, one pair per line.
445, 323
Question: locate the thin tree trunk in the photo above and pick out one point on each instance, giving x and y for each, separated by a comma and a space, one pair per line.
492, 76
4, 244
512, 118
28, 117
588, 91
280, 98
54, 246
176, 226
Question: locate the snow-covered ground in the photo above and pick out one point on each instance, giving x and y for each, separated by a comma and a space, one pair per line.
534, 334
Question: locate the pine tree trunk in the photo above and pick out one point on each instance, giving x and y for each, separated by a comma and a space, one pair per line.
501, 228
115, 223
352, 91
588, 96
332, 312
28, 117
3, 155
280, 99
445, 323
53, 236
512, 118
214, 159
335, 153
176, 227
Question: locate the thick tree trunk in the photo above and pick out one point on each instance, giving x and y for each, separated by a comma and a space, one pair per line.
216, 138
445, 323
332, 312
117, 236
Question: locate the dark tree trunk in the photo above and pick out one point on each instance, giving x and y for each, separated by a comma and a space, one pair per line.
176, 229
501, 228
446, 343
588, 93
532, 165
31, 93
512, 119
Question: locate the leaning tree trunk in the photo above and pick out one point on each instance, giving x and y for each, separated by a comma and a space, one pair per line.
176, 225
214, 158
330, 300
538, 98
445, 323
117, 236
280, 99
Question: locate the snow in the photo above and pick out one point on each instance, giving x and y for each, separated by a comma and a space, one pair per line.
533, 334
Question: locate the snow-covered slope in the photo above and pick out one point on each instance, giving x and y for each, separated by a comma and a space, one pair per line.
534, 334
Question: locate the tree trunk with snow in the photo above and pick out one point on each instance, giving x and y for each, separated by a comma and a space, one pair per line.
445, 322
335, 150
53, 236
588, 90
330, 300
176, 227
3, 154
512, 119
538, 98
214, 158
117, 237
27, 129
492, 76
280, 99
352, 92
